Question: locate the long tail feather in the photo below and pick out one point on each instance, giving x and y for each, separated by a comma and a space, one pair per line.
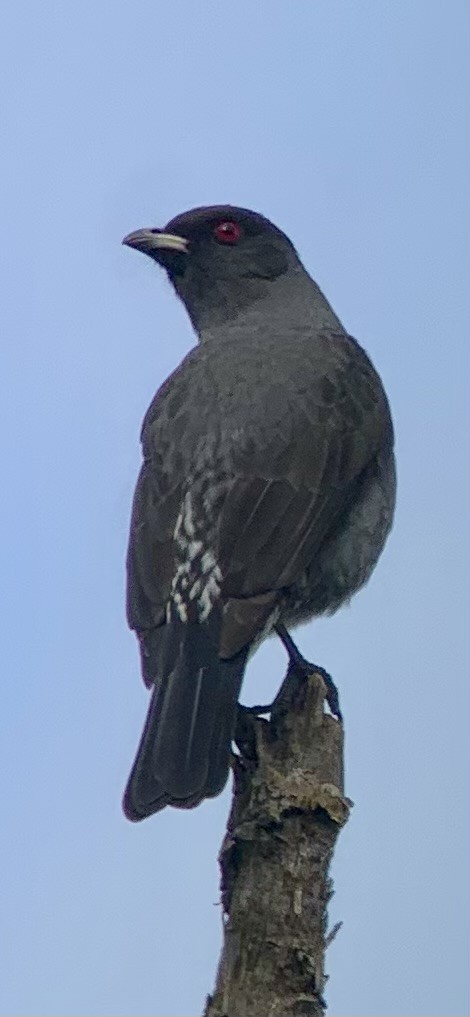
184, 752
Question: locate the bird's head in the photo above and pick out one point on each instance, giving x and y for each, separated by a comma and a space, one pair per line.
220, 259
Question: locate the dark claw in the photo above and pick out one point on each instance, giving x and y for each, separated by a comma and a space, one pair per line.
256, 711
244, 735
302, 666
332, 696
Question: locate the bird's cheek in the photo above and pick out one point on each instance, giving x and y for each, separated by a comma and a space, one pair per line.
175, 262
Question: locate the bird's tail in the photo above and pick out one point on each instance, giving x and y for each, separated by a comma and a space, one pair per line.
184, 752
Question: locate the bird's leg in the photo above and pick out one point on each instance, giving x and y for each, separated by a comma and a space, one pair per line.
299, 665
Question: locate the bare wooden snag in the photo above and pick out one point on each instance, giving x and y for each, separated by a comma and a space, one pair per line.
288, 807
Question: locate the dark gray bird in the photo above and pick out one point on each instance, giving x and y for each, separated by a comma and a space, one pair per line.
266, 493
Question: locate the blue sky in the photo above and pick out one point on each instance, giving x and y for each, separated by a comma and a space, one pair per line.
347, 124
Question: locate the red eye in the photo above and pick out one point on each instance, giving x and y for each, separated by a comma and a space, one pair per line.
227, 232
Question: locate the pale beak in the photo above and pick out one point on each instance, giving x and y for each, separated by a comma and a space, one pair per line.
152, 240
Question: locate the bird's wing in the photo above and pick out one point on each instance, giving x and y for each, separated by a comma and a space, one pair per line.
272, 464
277, 511
288, 493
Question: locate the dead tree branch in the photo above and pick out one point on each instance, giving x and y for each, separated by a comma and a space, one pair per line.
287, 810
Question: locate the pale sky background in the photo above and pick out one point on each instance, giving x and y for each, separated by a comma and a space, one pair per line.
347, 124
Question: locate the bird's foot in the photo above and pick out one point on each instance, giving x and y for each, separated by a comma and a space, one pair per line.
245, 734
256, 711
305, 668
299, 666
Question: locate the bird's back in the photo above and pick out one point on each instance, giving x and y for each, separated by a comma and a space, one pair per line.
263, 439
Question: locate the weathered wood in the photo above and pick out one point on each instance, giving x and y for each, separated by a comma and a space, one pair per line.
288, 807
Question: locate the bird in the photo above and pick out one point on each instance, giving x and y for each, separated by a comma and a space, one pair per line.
266, 491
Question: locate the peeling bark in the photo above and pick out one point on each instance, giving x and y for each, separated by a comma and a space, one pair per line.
287, 810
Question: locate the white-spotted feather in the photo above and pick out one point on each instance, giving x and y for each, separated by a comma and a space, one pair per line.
198, 576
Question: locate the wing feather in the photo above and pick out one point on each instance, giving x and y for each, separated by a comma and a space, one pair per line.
269, 476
